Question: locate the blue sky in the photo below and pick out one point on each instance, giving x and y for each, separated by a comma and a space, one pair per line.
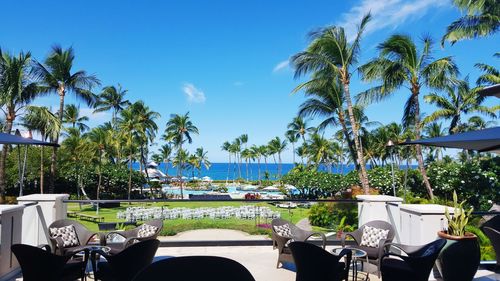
224, 61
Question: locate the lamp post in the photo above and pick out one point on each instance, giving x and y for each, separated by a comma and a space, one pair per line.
390, 146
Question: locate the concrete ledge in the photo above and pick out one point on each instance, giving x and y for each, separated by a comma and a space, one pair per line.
379, 198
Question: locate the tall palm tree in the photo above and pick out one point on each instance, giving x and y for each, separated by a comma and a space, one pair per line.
179, 129
277, 146
166, 154
98, 138
243, 141
460, 99
202, 159
331, 52
57, 76
401, 64
434, 130
235, 148
490, 76
246, 154
299, 128
72, 116
129, 126
481, 18
112, 98
41, 119
319, 149
17, 91
292, 139
257, 154
264, 151
226, 146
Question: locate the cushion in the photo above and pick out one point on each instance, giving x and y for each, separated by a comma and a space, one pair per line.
67, 234
283, 230
372, 236
146, 230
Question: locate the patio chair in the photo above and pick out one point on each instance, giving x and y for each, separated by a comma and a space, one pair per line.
416, 265
374, 253
40, 264
146, 231
194, 268
62, 236
315, 263
284, 232
494, 236
127, 263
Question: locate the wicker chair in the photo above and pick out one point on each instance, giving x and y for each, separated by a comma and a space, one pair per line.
130, 236
40, 264
494, 236
194, 268
415, 265
374, 253
297, 234
84, 237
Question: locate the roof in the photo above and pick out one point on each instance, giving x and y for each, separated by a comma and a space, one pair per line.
480, 140
13, 139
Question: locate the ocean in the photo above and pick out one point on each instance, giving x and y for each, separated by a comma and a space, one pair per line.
219, 171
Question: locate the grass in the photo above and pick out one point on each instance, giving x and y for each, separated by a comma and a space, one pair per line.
172, 227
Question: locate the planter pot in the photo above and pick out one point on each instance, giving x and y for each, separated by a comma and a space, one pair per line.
459, 259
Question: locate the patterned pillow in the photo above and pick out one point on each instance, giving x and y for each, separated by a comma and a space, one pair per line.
146, 230
283, 230
372, 236
67, 234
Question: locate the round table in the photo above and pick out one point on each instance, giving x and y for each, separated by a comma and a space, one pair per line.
357, 255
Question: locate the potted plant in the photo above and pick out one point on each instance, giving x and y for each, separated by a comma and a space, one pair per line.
460, 257
341, 226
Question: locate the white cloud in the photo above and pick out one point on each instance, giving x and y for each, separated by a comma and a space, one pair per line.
282, 66
386, 13
193, 94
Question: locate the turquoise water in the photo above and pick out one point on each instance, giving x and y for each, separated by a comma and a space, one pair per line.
230, 189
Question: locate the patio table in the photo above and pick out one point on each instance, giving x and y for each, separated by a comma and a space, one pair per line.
357, 255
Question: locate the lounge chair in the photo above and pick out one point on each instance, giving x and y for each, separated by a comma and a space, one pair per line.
39, 264
376, 252
62, 236
315, 263
284, 232
416, 265
126, 264
146, 231
194, 268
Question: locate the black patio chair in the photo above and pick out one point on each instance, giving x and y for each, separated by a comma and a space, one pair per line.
127, 263
316, 264
195, 268
494, 236
416, 265
40, 264
84, 235
133, 235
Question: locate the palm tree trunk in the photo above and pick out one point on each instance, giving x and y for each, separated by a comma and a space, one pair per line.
99, 182
41, 169
258, 166
418, 148
228, 168
53, 158
129, 174
3, 158
363, 175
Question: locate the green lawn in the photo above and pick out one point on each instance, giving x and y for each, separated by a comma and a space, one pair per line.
172, 227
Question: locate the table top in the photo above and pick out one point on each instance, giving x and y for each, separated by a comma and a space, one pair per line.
98, 247
356, 253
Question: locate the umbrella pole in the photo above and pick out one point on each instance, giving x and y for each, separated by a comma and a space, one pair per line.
24, 168
19, 168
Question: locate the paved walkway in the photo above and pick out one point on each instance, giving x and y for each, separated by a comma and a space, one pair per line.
213, 234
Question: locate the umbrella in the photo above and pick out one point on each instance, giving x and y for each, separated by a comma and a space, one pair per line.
480, 140
490, 91
13, 139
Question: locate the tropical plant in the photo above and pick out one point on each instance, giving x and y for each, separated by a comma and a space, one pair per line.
57, 77
166, 154
292, 139
202, 159
459, 219
72, 116
98, 137
401, 64
277, 146
179, 129
490, 76
332, 53
112, 98
226, 146
17, 90
481, 18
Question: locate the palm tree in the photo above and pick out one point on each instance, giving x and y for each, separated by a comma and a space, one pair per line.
247, 155
319, 149
179, 129
166, 153
243, 140
194, 164
460, 99
17, 91
331, 53
491, 75
42, 120
482, 18
202, 159
292, 138
72, 116
129, 125
276, 146
98, 137
299, 128
180, 161
235, 148
112, 98
477, 123
257, 154
399, 65
56, 74
434, 130
226, 146
264, 151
